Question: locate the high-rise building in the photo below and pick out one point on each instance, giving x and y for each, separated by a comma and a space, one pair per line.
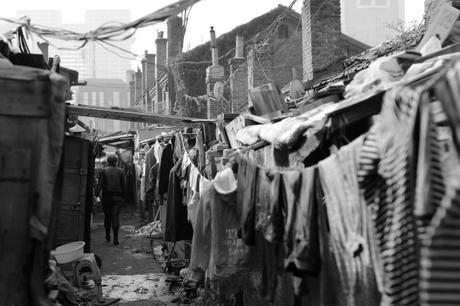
95, 60
104, 70
372, 21
112, 93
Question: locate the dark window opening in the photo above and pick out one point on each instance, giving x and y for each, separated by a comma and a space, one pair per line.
283, 31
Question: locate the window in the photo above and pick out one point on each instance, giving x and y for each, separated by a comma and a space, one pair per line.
283, 31
94, 98
101, 98
85, 98
373, 3
116, 98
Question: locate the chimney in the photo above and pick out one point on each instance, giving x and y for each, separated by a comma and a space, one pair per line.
239, 79
214, 74
175, 41
148, 76
161, 66
432, 7
175, 37
137, 85
161, 46
150, 69
321, 29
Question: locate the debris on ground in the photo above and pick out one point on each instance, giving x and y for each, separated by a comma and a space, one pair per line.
151, 230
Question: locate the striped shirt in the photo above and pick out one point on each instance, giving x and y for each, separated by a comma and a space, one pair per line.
387, 179
440, 249
430, 187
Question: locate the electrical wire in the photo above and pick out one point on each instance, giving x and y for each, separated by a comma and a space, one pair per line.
272, 26
114, 31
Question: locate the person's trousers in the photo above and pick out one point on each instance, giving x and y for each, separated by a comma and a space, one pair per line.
112, 216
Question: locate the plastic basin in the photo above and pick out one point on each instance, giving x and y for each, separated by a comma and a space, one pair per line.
69, 252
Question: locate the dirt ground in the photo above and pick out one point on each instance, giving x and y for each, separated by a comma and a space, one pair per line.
128, 272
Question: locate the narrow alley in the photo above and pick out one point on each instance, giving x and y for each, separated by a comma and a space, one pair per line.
230, 153
130, 272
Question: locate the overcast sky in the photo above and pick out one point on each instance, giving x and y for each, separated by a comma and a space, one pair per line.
224, 15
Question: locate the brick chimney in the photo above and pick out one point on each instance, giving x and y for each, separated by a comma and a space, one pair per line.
148, 74
321, 29
175, 43
161, 64
175, 37
239, 79
214, 73
432, 8
148, 70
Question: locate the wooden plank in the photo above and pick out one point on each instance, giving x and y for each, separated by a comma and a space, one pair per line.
133, 116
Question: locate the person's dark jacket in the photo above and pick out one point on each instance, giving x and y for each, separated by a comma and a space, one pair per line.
113, 183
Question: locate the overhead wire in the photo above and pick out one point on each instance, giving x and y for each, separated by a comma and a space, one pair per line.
109, 31
273, 27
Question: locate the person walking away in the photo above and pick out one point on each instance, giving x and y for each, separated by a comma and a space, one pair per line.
113, 185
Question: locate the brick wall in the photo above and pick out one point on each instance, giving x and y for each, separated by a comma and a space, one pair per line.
321, 30
161, 63
287, 54
175, 37
260, 65
161, 48
238, 84
275, 60
150, 70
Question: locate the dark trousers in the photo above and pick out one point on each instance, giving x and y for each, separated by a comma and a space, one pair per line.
111, 208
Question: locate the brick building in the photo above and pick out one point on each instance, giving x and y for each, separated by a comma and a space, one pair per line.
312, 43
324, 46
152, 87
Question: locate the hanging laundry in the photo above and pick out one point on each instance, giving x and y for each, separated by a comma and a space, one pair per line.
386, 176
177, 227
193, 196
247, 177
216, 246
165, 167
348, 216
301, 238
